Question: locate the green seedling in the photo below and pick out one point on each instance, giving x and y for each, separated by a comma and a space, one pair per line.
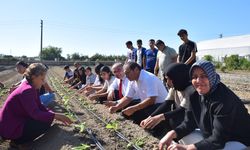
70, 116
82, 147
113, 125
80, 127
140, 142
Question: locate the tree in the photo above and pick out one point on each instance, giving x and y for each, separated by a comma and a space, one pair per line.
208, 58
75, 56
68, 57
51, 53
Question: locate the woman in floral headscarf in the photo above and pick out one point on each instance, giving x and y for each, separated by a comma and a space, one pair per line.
220, 115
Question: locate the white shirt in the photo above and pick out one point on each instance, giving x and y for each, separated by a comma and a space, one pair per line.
181, 98
139, 56
125, 82
97, 81
131, 54
107, 83
148, 85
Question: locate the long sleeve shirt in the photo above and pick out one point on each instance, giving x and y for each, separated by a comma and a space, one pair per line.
221, 116
21, 105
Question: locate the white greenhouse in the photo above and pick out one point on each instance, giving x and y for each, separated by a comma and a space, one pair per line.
222, 47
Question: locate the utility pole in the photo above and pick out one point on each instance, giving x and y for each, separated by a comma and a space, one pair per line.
41, 48
221, 35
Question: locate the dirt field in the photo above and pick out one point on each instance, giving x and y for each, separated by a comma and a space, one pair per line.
61, 137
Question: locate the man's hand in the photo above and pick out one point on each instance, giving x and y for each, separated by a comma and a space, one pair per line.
151, 122
129, 111
113, 109
109, 103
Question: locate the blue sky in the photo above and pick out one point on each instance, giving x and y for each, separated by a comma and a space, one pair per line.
98, 26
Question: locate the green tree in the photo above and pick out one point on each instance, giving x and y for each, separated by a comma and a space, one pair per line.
68, 57
51, 52
208, 58
75, 56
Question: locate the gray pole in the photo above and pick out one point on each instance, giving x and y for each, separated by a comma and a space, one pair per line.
41, 48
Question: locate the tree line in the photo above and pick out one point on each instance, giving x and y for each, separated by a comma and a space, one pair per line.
54, 53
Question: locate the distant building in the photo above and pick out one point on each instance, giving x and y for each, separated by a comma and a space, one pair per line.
222, 47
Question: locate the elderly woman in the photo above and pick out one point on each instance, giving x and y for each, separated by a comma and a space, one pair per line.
23, 117
220, 115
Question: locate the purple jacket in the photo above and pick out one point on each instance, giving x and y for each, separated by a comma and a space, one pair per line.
22, 104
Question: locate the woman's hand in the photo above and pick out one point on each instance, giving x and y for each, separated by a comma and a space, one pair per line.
166, 141
151, 122
64, 119
181, 147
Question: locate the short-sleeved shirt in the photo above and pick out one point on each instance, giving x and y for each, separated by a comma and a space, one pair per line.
165, 58
185, 51
90, 79
131, 55
107, 83
181, 98
148, 85
140, 53
151, 56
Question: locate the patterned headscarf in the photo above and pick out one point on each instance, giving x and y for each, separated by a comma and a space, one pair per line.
209, 69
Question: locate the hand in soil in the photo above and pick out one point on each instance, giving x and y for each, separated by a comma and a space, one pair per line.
64, 119
109, 103
92, 97
113, 109
178, 147
166, 141
129, 111
151, 122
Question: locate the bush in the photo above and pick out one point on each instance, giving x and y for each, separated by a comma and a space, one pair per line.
234, 62
245, 64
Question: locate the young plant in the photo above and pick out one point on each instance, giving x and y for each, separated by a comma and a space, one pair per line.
140, 142
113, 125
80, 127
70, 116
82, 147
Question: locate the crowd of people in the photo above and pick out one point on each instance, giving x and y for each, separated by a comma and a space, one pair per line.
171, 95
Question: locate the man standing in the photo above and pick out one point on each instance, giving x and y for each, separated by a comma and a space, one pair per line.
149, 88
165, 56
131, 54
140, 53
151, 55
187, 51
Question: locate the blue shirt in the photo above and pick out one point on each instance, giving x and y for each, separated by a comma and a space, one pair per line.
151, 56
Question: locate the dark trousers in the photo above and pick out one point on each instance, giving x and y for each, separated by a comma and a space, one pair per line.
142, 114
32, 129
